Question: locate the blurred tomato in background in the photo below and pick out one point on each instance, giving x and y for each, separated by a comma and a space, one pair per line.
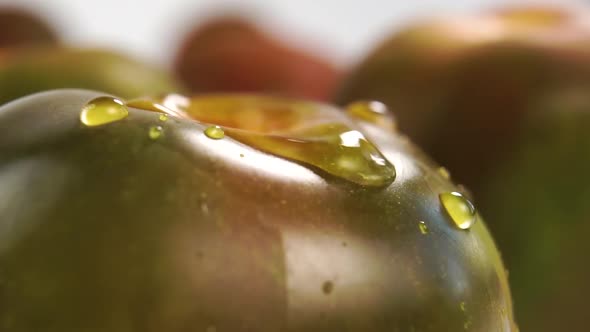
22, 27
294, 49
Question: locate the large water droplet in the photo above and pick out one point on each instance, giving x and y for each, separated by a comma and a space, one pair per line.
103, 110
215, 132
313, 134
373, 112
459, 208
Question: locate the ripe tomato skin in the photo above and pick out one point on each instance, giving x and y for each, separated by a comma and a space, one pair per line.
104, 229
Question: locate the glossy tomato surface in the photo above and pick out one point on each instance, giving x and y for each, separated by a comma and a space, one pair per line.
111, 228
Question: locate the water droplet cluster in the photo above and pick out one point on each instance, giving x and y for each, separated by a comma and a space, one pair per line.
293, 130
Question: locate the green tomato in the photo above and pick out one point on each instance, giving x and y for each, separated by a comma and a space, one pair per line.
30, 70
108, 227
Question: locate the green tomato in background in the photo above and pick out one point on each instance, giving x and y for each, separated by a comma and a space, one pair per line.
25, 71
544, 231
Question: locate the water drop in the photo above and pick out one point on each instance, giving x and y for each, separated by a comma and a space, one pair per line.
163, 117
155, 132
462, 305
459, 208
103, 110
373, 112
313, 134
332, 147
423, 227
327, 287
215, 132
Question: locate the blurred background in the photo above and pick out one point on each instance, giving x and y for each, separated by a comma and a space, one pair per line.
344, 30
497, 92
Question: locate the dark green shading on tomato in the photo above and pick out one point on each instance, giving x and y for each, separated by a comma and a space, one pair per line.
501, 100
23, 72
177, 214
546, 187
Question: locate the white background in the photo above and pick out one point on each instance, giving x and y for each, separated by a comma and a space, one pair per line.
152, 29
